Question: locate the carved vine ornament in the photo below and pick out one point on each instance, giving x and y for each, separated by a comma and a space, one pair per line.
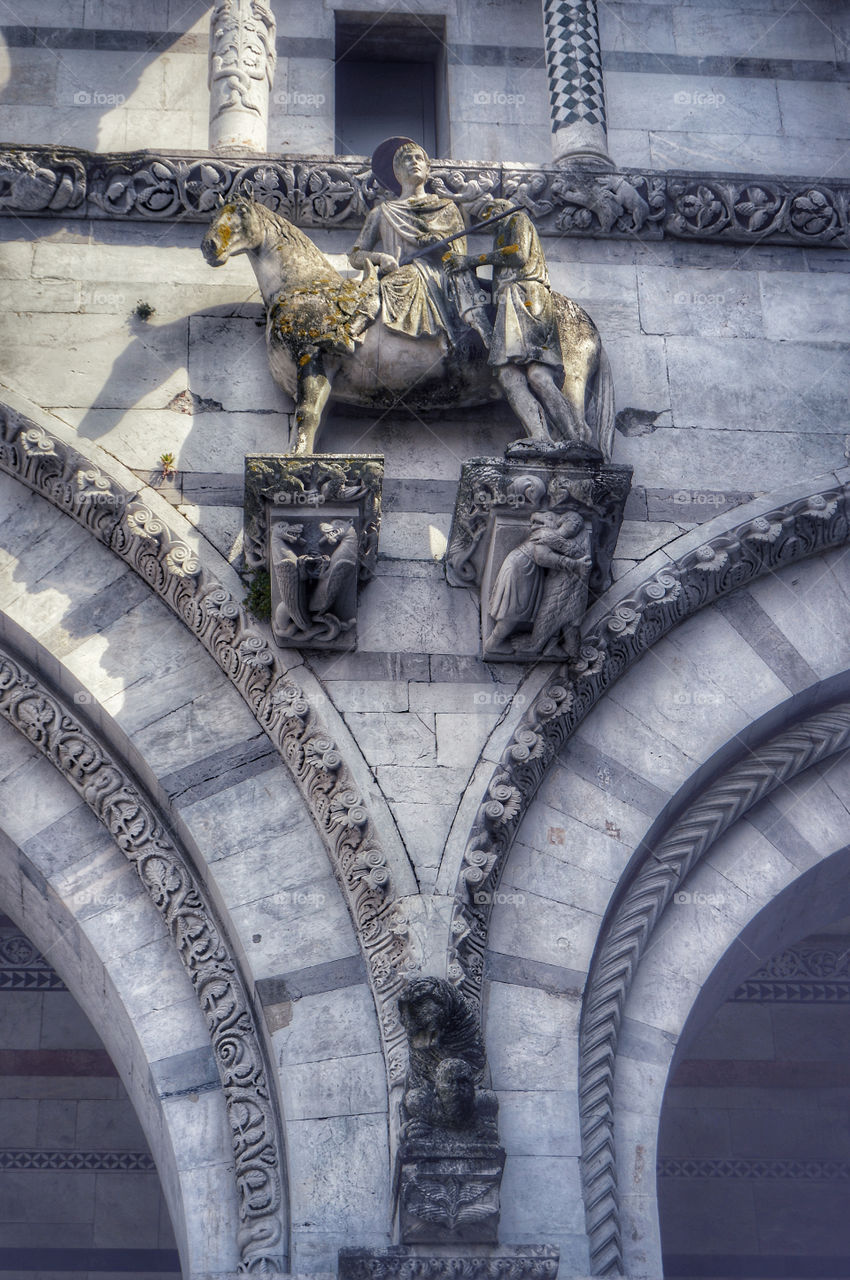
128, 527
132, 821
339, 192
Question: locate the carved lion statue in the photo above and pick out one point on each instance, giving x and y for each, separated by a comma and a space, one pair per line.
447, 1063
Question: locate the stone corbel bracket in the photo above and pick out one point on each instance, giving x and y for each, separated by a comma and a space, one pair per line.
330, 191
311, 524
496, 501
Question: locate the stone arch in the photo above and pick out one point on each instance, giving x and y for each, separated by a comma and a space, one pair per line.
674, 584
367, 855
176, 892
124, 677
41, 871
806, 885
776, 652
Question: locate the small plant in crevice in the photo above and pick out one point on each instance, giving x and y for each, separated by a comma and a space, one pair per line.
144, 310
167, 465
259, 597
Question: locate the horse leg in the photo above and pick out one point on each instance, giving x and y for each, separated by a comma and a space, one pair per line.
312, 392
577, 373
514, 384
560, 409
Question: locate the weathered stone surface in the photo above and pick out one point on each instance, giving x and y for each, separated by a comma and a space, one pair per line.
311, 525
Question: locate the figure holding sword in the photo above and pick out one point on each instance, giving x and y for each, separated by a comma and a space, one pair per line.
525, 347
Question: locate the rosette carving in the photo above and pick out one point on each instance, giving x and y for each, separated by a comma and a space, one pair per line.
338, 192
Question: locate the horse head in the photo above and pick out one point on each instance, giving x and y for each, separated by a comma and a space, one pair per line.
237, 226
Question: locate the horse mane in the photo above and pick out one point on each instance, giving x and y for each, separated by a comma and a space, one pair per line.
293, 236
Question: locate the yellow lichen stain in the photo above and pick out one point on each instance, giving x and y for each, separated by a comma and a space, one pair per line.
482, 257
224, 233
305, 359
511, 248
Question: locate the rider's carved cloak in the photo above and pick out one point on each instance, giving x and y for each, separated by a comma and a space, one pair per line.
526, 326
419, 299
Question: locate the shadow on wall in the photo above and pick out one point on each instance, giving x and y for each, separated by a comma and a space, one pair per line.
97, 93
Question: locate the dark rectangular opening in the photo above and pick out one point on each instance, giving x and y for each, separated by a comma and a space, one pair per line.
390, 79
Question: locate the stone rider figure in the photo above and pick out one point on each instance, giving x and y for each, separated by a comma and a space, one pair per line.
419, 299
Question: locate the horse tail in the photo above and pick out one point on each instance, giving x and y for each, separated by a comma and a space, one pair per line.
603, 405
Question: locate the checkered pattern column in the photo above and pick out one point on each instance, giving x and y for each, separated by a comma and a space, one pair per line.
576, 92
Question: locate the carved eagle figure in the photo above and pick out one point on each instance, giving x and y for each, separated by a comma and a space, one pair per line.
339, 566
288, 571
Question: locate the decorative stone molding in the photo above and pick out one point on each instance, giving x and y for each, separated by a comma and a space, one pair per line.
523, 1262
127, 526
177, 893
241, 74
755, 1170
339, 191
627, 931
611, 643
807, 974
78, 1161
311, 523
24, 968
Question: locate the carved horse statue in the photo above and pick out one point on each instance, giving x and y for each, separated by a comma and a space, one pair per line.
324, 333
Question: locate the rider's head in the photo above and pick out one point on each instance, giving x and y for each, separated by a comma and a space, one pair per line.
493, 208
411, 161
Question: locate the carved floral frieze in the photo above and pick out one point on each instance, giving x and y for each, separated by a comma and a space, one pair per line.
329, 191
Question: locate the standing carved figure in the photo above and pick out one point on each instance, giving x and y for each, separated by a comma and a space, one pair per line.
525, 344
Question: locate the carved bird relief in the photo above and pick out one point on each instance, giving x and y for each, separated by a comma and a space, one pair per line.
339, 568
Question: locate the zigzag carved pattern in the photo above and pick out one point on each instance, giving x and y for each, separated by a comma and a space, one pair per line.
625, 935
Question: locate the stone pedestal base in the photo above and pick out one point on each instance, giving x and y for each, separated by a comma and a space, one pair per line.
449, 1198
518, 1262
537, 535
311, 525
